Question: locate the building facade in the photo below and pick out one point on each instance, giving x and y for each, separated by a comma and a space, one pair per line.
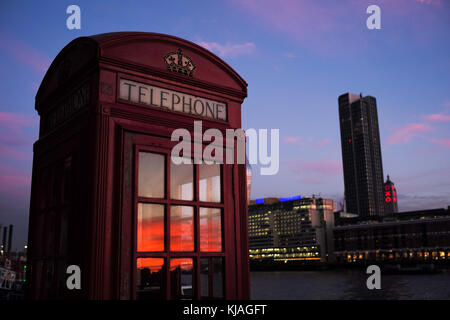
107, 195
290, 229
361, 155
417, 236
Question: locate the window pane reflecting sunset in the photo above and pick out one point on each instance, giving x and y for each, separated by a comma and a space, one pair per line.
181, 228
181, 274
150, 278
210, 229
150, 231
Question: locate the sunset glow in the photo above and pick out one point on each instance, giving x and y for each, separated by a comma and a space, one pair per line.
150, 231
154, 264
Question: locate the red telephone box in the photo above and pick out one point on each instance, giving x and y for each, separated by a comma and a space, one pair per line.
105, 194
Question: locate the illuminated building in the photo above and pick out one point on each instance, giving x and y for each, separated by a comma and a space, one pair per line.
107, 196
361, 155
290, 229
416, 236
390, 197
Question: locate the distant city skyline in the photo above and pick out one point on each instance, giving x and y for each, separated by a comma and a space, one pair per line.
297, 57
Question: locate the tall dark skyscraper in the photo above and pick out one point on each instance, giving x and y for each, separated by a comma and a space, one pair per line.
361, 155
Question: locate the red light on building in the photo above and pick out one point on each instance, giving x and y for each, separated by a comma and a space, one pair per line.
387, 194
390, 197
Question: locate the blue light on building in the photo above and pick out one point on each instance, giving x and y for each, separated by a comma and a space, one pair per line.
298, 197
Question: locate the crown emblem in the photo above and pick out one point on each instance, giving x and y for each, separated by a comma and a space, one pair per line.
179, 62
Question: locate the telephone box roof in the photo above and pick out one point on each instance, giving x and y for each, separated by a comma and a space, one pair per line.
142, 51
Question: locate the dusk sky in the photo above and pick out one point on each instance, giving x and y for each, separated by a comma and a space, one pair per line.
297, 57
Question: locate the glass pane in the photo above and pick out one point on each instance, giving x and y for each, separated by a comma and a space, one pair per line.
151, 175
150, 278
210, 229
150, 233
211, 277
181, 181
209, 182
217, 264
204, 277
181, 228
181, 271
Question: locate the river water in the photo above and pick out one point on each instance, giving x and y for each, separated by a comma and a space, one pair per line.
346, 284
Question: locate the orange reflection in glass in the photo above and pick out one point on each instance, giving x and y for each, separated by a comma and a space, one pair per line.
150, 230
183, 263
210, 230
154, 264
181, 228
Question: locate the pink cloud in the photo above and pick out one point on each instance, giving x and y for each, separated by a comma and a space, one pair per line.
291, 139
438, 117
412, 177
324, 167
338, 28
404, 135
311, 180
229, 49
9, 152
15, 120
9, 181
323, 142
25, 53
443, 142
12, 136
14, 144
306, 21
14, 181
431, 2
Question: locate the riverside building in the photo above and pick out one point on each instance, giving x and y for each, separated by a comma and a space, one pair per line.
291, 229
404, 237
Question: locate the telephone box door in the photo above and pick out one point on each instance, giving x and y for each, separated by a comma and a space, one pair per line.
178, 221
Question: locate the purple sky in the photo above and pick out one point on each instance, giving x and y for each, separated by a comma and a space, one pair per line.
297, 56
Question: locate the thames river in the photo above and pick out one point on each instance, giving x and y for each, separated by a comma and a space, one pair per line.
346, 284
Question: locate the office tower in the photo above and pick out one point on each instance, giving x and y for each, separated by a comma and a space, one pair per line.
390, 197
361, 155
